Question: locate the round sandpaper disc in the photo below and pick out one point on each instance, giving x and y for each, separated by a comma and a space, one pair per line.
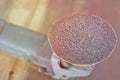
82, 39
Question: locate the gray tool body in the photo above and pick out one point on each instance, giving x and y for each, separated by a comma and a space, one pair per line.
25, 44
34, 47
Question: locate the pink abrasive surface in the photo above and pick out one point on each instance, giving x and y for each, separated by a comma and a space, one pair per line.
82, 39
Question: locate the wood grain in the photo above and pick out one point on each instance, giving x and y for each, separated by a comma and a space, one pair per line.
21, 13
39, 15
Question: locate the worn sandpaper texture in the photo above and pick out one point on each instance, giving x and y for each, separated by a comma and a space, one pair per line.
82, 39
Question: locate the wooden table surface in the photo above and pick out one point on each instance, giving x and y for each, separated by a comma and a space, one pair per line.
39, 15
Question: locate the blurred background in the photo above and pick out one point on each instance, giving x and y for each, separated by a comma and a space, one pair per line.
39, 15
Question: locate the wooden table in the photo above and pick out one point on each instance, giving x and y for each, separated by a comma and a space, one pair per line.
39, 15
